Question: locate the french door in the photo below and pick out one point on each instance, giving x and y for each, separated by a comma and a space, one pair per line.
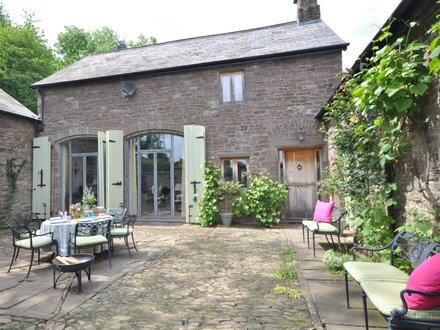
82, 174
156, 183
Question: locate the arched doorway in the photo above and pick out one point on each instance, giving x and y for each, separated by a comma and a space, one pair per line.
80, 163
159, 169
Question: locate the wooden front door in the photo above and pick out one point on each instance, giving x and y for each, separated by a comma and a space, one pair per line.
301, 174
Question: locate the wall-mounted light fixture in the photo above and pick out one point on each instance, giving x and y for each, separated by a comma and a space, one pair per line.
301, 133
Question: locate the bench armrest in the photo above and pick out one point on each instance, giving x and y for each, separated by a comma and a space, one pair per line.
366, 249
402, 312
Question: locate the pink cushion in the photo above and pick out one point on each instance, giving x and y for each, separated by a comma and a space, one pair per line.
426, 277
323, 211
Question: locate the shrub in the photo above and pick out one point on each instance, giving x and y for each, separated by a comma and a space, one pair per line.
229, 191
208, 204
263, 199
334, 260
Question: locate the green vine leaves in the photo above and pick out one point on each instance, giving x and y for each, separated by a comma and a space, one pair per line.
366, 123
12, 172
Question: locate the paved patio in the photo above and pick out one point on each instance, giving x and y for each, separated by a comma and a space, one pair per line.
184, 277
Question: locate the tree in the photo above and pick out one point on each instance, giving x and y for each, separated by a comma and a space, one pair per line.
24, 58
142, 41
75, 43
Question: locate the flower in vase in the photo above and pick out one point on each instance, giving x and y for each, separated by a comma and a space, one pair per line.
76, 210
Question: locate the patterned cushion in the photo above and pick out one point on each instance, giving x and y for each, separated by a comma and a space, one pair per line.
120, 231
39, 241
90, 240
363, 271
324, 227
386, 296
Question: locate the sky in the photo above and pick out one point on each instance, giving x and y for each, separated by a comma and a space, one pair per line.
355, 21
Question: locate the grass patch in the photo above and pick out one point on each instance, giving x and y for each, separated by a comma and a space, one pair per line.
287, 255
292, 293
285, 273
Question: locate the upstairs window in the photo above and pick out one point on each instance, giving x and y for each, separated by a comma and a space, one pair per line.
232, 86
234, 169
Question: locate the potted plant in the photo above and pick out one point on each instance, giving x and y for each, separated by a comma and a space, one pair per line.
89, 198
229, 191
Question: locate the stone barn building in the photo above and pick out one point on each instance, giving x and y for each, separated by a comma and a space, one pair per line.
137, 124
17, 131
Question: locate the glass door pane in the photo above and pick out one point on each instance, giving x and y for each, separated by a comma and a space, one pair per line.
147, 185
163, 166
77, 179
178, 180
92, 173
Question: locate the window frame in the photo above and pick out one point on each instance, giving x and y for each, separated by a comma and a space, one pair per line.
232, 89
234, 164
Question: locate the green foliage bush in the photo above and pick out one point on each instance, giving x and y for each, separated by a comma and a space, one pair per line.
368, 123
334, 260
208, 205
229, 191
263, 199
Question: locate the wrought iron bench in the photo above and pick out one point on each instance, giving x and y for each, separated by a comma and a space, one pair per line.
385, 285
332, 228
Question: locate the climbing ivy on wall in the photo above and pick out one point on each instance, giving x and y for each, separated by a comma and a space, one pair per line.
367, 124
209, 210
12, 171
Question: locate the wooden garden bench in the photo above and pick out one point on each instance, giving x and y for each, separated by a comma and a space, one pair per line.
385, 285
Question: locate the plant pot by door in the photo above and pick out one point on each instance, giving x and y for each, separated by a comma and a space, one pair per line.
226, 219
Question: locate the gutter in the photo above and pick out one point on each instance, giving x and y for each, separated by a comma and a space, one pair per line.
19, 116
196, 66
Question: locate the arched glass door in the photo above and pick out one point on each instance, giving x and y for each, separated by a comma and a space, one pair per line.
81, 169
159, 164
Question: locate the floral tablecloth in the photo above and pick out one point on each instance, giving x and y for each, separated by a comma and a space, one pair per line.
63, 229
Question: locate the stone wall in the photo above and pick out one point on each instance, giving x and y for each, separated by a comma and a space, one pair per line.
16, 136
418, 172
280, 97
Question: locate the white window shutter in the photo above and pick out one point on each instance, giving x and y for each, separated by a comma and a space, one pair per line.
41, 177
194, 160
114, 169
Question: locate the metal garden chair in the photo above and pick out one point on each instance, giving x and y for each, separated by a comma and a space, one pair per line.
26, 238
90, 234
123, 229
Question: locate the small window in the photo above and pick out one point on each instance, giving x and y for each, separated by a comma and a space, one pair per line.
232, 87
235, 169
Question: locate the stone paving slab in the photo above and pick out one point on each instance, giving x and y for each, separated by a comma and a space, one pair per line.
329, 297
328, 290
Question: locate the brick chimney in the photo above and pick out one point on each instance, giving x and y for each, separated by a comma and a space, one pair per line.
307, 11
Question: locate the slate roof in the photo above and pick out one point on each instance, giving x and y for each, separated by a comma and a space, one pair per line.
10, 105
271, 41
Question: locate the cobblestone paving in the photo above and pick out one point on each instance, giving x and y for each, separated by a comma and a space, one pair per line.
213, 278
